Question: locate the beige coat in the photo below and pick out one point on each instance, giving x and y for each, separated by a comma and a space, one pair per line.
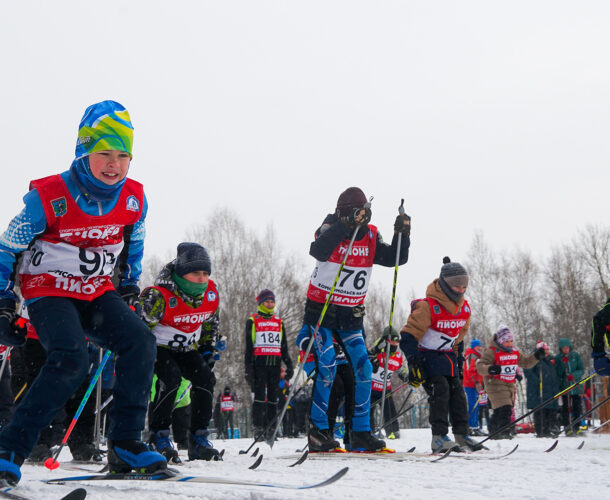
420, 318
500, 393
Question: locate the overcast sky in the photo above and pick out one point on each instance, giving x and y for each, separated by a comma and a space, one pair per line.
483, 115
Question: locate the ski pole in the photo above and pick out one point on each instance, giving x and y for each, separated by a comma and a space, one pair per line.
588, 412
600, 427
271, 440
5, 360
399, 412
51, 463
98, 402
391, 393
258, 437
386, 355
541, 405
409, 408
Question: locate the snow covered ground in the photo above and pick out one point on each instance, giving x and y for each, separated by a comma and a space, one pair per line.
529, 473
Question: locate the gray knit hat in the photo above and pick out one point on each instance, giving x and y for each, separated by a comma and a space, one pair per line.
453, 273
192, 257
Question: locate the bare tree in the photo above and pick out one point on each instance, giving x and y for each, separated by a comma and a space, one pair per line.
483, 277
243, 263
517, 298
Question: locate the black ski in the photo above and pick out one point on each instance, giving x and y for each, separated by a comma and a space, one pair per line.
8, 491
552, 447
168, 476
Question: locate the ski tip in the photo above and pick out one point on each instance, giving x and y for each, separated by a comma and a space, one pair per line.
301, 459
77, 494
580, 445
443, 456
411, 450
552, 447
257, 462
333, 478
254, 453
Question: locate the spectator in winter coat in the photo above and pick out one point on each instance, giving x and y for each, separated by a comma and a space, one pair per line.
498, 365
432, 343
473, 385
570, 369
542, 384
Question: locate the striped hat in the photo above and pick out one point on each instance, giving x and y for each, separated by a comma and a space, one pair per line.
265, 295
105, 126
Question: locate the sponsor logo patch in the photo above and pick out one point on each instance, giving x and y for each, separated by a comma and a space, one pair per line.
437, 309
173, 302
211, 296
60, 207
133, 204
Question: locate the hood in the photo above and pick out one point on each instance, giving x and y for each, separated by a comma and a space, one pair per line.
434, 291
565, 342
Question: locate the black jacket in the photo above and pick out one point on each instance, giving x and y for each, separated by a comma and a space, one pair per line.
328, 237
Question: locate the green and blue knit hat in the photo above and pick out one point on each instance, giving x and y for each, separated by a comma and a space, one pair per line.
105, 126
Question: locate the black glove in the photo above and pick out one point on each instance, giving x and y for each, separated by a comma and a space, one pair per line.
417, 375
10, 333
131, 295
359, 217
375, 362
540, 353
402, 224
519, 377
289, 372
494, 370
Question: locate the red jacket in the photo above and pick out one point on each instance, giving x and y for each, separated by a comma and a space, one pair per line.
471, 376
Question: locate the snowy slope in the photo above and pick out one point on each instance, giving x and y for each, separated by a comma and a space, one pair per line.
529, 473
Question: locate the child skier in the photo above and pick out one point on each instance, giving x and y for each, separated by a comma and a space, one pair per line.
182, 312
498, 365
346, 310
432, 343
75, 228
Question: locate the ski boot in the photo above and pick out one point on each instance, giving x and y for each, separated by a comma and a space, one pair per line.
133, 454
365, 441
39, 453
443, 443
321, 440
163, 444
200, 448
85, 452
10, 467
467, 443
475, 431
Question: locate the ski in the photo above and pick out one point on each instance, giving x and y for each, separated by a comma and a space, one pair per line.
8, 491
172, 477
552, 447
300, 460
257, 462
476, 455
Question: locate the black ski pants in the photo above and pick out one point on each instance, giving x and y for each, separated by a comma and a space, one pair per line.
170, 367
266, 392
343, 389
447, 400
